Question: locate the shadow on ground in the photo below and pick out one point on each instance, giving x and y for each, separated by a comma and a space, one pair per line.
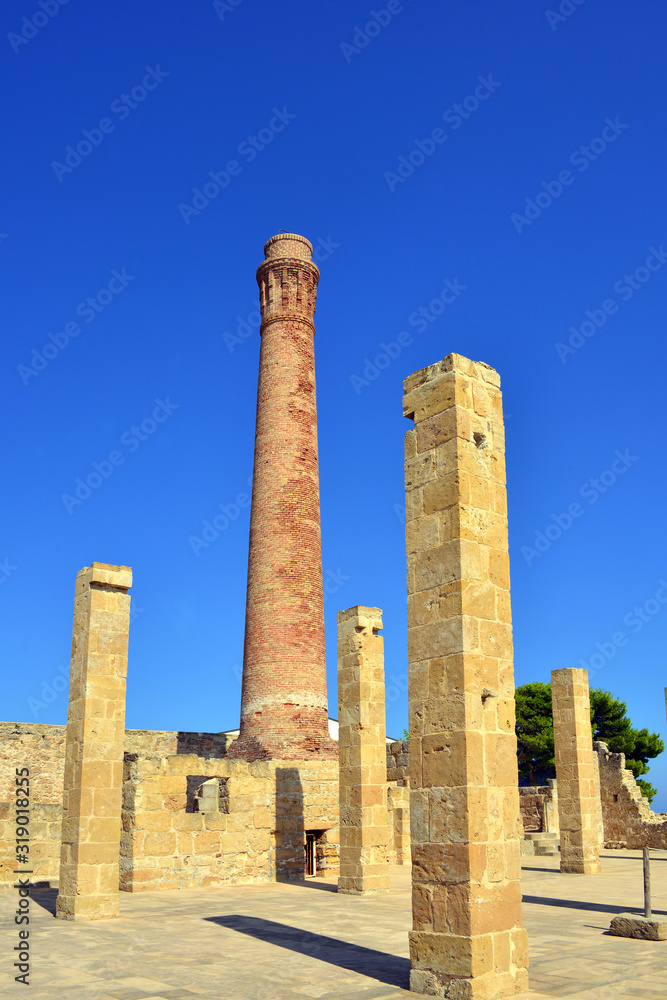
46, 898
309, 883
389, 969
578, 904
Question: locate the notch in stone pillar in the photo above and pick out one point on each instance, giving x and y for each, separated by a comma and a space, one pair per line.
467, 939
364, 822
93, 783
578, 790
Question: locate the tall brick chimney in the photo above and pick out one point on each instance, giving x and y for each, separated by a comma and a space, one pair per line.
284, 710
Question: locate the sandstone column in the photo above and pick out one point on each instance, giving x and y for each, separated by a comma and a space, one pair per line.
364, 823
92, 796
284, 698
578, 797
467, 939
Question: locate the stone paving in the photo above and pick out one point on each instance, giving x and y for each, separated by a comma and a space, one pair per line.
303, 940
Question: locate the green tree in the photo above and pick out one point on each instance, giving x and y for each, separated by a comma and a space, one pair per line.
609, 723
535, 733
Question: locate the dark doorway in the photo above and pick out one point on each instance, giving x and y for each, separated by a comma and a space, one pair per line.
311, 869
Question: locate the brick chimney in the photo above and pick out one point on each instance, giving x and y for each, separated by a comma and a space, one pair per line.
284, 710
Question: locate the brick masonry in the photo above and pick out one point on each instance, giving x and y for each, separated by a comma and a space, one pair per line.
284, 696
93, 778
364, 823
467, 939
579, 814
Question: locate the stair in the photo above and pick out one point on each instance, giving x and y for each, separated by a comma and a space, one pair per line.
547, 845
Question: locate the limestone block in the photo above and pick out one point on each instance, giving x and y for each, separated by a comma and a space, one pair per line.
635, 926
364, 823
92, 794
467, 938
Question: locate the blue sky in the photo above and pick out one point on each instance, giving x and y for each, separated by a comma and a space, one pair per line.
516, 154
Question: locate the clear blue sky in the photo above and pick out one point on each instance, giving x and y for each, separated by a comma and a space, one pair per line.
318, 118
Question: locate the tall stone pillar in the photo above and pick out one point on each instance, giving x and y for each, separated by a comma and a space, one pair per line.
93, 786
284, 697
578, 790
467, 939
364, 823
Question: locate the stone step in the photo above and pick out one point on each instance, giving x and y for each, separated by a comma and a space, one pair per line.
541, 837
542, 851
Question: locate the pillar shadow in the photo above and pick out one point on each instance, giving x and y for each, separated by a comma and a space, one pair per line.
578, 904
46, 898
386, 968
289, 838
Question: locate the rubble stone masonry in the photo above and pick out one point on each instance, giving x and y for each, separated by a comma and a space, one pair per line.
364, 825
467, 939
628, 818
93, 776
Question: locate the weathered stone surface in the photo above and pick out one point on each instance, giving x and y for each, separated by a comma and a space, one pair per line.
92, 794
627, 816
579, 810
364, 825
467, 938
635, 926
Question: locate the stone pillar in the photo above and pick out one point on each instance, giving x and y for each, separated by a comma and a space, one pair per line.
578, 799
364, 822
284, 697
93, 784
467, 939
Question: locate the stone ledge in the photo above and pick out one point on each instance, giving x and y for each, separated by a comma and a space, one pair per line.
635, 926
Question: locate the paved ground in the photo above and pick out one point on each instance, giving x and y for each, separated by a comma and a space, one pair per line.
299, 941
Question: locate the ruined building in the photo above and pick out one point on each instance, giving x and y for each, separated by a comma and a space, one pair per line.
132, 810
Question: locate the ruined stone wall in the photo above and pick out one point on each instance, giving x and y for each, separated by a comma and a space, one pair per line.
398, 758
627, 816
539, 808
42, 749
257, 833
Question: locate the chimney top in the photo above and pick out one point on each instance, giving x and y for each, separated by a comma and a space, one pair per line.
288, 245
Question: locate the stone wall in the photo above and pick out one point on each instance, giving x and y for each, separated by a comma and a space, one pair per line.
313, 801
397, 762
627, 816
256, 834
539, 808
42, 749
